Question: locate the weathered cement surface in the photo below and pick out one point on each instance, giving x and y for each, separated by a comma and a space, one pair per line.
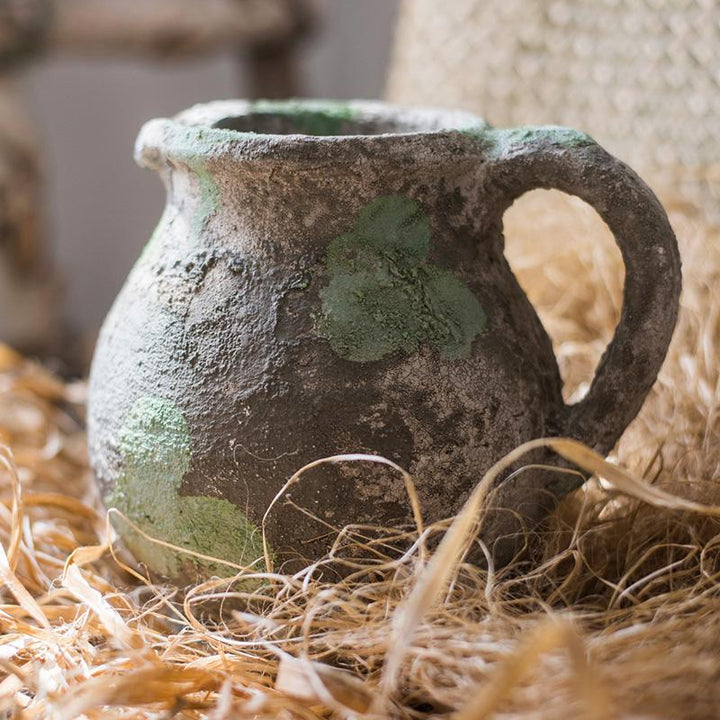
309, 295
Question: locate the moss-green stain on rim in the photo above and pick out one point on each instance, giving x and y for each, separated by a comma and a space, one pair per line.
156, 448
383, 296
497, 141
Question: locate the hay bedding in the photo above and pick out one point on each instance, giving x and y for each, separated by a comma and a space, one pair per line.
616, 613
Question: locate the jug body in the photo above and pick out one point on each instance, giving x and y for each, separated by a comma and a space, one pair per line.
325, 279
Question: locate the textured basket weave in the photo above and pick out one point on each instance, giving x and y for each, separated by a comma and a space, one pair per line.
641, 76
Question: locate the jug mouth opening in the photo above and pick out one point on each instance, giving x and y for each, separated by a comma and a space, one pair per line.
327, 118
306, 129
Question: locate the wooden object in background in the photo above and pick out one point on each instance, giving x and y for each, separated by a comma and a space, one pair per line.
29, 316
265, 32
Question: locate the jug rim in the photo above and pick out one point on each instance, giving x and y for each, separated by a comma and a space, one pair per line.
311, 130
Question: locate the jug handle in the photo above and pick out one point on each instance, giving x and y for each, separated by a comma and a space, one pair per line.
563, 159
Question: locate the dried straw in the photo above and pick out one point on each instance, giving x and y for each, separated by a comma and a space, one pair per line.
615, 611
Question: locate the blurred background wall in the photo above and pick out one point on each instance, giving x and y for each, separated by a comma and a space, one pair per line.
102, 207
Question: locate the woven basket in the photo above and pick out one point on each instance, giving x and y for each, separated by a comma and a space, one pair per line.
641, 76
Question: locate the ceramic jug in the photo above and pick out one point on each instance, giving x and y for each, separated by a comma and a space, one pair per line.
329, 278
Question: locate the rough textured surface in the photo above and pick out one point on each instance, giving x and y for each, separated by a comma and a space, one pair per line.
311, 295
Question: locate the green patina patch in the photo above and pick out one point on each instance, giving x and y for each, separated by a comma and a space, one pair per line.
209, 199
196, 150
315, 117
156, 448
384, 296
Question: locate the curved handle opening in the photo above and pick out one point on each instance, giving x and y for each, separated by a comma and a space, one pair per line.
567, 263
